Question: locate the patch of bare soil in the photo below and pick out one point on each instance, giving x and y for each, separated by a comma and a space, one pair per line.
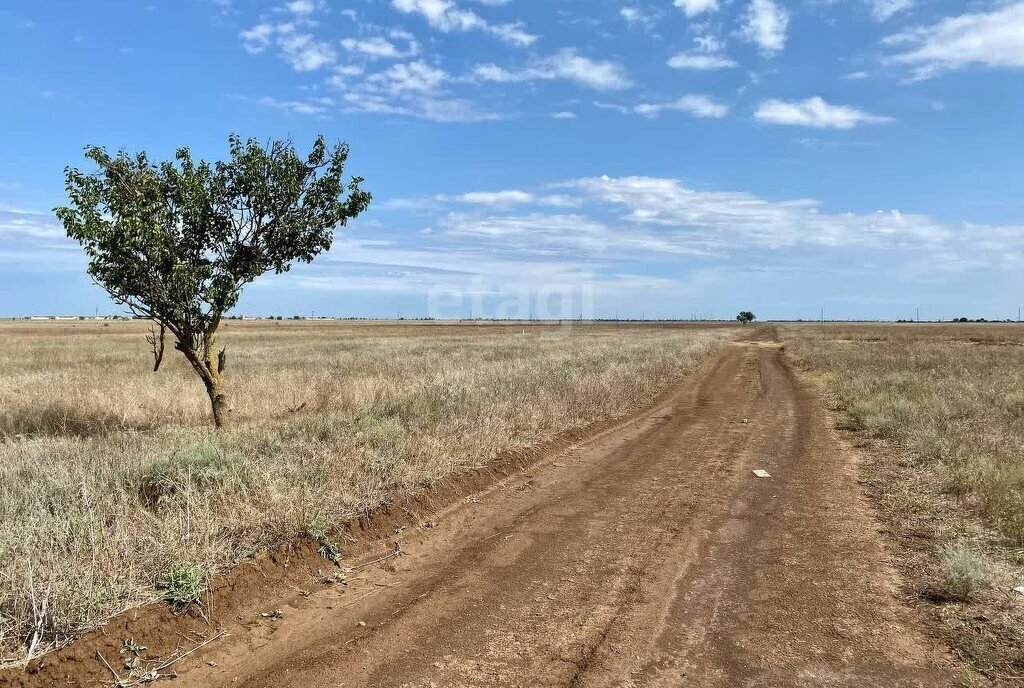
644, 554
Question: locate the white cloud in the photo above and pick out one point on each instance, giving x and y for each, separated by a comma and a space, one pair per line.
564, 114
343, 72
631, 14
303, 52
732, 216
258, 38
378, 47
561, 201
706, 55
302, 7
315, 106
567, 64
992, 39
561, 236
765, 24
296, 45
509, 197
693, 104
446, 16
435, 109
36, 241
657, 219
694, 7
637, 17
621, 222
599, 74
883, 10
411, 89
418, 77
27, 223
512, 33
700, 61
815, 112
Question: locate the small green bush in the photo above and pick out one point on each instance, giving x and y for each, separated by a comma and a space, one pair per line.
318, 531
183, 585
203, 467
963, 570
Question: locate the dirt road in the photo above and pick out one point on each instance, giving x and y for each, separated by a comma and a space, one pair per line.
649, 555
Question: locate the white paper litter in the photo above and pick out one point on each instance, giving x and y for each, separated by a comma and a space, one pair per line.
762, 473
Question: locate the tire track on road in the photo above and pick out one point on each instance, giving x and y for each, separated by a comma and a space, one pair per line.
646, 556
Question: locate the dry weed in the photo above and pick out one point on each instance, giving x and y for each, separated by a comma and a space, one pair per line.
110, 479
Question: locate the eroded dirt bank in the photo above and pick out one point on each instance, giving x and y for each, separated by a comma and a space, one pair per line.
648, 555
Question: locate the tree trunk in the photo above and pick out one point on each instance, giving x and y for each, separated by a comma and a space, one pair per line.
218, 404
215, 365
210, 368
156, 339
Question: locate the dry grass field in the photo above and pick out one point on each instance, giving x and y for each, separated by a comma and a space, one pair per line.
942, 409
114, 491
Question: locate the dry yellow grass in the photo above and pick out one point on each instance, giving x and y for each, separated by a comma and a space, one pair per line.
110, 477
943, 407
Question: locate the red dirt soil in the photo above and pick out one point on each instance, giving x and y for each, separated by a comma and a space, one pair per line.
645, 554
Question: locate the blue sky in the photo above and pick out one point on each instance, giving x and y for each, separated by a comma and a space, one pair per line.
664, 158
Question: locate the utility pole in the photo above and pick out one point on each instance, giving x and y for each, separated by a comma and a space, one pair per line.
917, 316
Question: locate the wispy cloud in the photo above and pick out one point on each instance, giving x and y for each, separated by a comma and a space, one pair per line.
700, 61
991, 39
378, 47
883, 10
412, 89
694, 7
620, 222
28, 223
511, 197
508, 197
815, 112
602, 75
766, 23
447, 16
693, 104
313, 106
707, 54
295, 42
634, 16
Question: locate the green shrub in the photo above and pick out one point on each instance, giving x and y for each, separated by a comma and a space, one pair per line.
203, 467
183, 585
963, 570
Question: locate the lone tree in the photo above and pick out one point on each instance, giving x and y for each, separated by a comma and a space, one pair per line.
177, 241
746, 317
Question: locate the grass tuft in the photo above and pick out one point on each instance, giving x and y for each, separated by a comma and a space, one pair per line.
204, 467
963, 571
183, 585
